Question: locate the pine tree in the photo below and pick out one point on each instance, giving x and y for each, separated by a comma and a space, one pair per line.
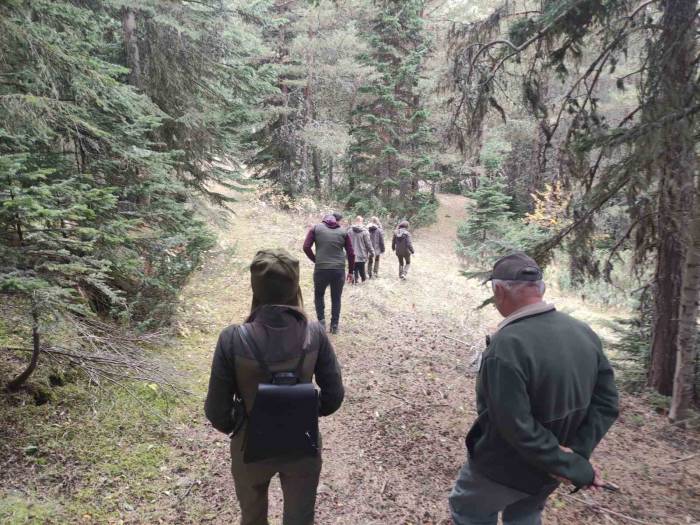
99, 161
488, 213
646, 161
390, 155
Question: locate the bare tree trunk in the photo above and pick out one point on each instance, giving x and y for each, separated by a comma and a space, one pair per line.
131, 45
684, 378
329, 189
668, 285
671, 86
316, 166
36, 351
310, 112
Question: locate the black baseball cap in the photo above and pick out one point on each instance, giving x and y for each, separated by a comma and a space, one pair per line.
516, 267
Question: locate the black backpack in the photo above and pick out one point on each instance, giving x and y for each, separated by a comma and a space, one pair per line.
284, 419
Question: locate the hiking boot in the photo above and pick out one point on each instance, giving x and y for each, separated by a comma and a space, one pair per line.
322, 322
334, 329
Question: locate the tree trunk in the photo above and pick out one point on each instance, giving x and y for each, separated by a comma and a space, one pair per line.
684, 378
668, 284
131, 46
310, 112
330, 177
670, 88
36, 351
316, 166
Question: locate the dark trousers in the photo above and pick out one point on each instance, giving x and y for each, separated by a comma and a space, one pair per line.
322, 280
299, 480
373, 266
476, 500
404, 264
359, 271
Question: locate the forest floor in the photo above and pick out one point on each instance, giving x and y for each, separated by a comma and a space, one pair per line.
391, 452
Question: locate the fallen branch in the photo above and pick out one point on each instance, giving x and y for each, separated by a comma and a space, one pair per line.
36, 352
458, 340
606, 510
683, 459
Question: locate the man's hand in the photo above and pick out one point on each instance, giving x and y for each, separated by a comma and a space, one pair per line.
349, 278
598, 481
561, 479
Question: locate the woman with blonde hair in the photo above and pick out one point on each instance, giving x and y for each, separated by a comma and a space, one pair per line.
275, 347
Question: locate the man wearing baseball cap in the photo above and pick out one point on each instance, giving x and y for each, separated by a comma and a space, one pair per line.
546, 396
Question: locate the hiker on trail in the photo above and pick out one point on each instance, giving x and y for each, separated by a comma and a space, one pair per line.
362, 245
546, 396
402, 244
376, 234
277, 341
333, 245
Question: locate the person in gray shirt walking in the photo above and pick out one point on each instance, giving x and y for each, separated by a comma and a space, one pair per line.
333, 246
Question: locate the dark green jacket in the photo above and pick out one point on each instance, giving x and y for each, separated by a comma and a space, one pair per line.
279, 332
544, 381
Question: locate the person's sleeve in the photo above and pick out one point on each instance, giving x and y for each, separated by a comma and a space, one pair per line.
350, 252
410, 243
308, 242
382, 249
222, 387
393, 243
509, 409
602, 412
328, 377
368, 243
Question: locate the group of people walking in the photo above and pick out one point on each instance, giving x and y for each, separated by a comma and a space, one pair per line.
361, 246
368, 245
546, 394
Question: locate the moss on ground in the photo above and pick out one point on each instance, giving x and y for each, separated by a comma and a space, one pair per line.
87, 453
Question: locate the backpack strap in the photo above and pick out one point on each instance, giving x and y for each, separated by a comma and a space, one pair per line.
250, 341
304, 350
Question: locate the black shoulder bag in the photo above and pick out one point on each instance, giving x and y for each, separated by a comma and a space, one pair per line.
284, 419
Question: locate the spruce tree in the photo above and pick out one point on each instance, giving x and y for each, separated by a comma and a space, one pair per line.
390, 155
113, 115
645, 159
489, 212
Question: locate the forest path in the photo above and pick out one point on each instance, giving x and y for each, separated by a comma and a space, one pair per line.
393, 449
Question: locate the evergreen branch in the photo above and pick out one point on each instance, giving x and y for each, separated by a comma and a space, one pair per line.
542, 249
643, 129
608, 261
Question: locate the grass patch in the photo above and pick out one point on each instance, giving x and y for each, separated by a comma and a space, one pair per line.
17, 510
87, 455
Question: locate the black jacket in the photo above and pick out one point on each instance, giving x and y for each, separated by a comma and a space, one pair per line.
402, 243
279, 332
544, 381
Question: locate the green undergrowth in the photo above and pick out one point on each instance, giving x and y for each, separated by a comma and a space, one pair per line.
87, 453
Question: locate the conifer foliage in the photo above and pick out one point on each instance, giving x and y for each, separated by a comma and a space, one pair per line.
642, 160
489, 211
390, 156
112, 114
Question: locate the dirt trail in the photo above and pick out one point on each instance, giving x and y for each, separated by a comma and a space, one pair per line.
392, 451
